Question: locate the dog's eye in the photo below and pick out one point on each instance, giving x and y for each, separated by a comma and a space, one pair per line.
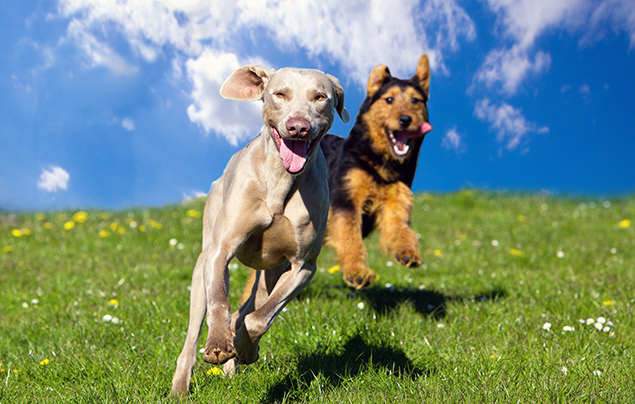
279, 94
320, 97
416, 100
389, 100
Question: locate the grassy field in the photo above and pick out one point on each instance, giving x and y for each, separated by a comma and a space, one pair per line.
521, 298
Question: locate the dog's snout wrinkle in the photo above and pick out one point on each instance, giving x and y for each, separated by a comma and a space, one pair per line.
405, 120
298, 126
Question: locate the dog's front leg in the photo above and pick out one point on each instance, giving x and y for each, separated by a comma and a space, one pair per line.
219, 347
288, 283
345, 236
397, 238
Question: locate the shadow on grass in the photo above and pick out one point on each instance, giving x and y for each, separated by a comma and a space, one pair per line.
386, 300
356, 357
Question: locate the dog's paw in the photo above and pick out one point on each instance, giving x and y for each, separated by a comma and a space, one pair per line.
359, 278
408, 258
180, 387
219, 352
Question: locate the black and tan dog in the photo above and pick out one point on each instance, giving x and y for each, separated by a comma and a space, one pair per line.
371, 171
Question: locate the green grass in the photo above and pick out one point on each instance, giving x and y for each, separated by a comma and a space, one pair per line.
465, 327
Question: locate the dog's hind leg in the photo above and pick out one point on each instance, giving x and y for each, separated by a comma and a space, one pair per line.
397, 238
283, 284
198, 306
256, 292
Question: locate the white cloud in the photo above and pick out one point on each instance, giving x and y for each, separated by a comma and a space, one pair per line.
509, 123
357, 34
128, 124
524, 21
509, 67
53, 179
360, 34
617, 15
584, 89
453, 140
234, 120
99, 53
194, 194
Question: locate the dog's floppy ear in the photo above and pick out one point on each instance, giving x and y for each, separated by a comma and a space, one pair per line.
422, 76
247, 83
339, 98
378, 76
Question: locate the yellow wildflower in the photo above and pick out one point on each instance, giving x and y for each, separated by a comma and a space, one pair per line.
608, 303
7, 249
16, 233
113, 302
121, 230
438, 253
155, 224
624, 224
48, 225
40, 216
521, 218
104, 233
69, 225
193, 213
516, 253
334, 268
214, 371
45, 362
1, 368
80, 217
142, 228
26, 231
114, 226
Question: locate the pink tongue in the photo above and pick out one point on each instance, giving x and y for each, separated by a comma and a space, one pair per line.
425, 128
293, 154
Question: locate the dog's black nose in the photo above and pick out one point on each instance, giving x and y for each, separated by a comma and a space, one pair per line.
298, 126
405, 120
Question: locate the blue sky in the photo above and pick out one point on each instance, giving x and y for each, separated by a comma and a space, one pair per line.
113, 104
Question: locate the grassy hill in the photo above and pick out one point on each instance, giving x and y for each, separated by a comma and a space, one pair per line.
521, 298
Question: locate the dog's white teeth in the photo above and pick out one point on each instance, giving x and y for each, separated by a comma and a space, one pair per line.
401, 151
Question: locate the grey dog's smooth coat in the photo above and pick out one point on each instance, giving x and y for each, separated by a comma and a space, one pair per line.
268, 209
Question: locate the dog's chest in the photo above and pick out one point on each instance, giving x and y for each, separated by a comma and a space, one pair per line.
289, 236
366, 195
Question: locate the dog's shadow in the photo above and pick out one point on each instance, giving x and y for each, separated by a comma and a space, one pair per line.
334, 368
387, 300
425, 302
357, 354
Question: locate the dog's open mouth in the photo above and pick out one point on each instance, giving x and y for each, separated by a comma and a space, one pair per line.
400, 140
294, 153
